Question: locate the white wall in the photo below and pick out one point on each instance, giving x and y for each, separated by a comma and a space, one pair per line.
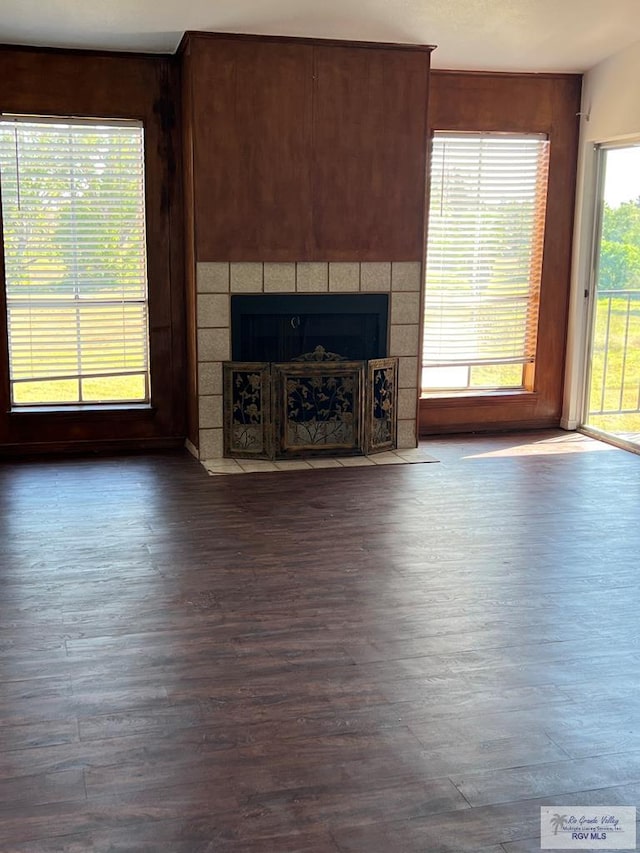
610, 112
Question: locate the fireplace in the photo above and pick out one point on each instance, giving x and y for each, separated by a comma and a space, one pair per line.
220, 282
309, 376
282, 327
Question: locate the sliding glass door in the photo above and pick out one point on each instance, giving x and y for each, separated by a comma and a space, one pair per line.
613, 384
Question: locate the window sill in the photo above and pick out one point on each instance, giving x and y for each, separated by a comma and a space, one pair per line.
468, 398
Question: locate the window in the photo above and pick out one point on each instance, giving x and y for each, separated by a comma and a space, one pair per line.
613, 387
484, 260
75, 261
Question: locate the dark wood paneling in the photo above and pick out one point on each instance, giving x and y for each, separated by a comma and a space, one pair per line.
306, 150
519, 103
369, 155
264, 664
117, 86
516, 103
251, 117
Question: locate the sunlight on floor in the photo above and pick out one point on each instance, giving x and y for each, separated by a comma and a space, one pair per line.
571, 443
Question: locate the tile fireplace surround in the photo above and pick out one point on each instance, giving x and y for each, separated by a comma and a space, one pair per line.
217, 281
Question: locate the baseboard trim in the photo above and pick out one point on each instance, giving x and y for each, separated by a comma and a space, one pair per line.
90, 448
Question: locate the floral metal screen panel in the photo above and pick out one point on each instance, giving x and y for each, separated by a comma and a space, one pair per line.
247, 409
381, 409
318, 407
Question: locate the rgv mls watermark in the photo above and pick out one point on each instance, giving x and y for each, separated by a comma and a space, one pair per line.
588, 828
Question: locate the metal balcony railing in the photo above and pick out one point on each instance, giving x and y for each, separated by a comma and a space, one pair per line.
615, 358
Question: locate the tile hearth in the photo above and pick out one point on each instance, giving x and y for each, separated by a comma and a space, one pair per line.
218, 467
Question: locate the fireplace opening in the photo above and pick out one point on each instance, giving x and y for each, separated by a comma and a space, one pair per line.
282, 327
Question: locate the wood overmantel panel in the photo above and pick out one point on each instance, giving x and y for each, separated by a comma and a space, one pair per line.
251, 126
369, 153
305, 150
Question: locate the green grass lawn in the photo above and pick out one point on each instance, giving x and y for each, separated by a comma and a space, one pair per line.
63, 341
104, 389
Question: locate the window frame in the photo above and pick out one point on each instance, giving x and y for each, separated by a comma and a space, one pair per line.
517, 103
527, 372
113, 86
120, 404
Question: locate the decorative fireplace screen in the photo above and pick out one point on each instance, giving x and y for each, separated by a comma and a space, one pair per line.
318, 404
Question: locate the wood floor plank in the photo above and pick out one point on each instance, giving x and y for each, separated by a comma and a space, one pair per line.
410, 658
40, 789
176, 836
511, 824
549, 780
50, 732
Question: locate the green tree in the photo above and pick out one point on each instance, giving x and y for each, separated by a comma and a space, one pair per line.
73, 209
619, 267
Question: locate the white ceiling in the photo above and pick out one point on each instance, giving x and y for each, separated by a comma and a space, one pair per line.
515, 35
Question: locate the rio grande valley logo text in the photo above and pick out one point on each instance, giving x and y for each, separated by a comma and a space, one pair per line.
579, 827
588, 828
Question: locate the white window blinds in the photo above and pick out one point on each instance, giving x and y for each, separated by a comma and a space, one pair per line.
484, 253
75, 260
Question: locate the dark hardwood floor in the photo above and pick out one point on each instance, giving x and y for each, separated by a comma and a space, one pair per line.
370, 660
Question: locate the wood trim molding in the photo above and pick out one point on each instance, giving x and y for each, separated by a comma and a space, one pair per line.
189, 35
20, 450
